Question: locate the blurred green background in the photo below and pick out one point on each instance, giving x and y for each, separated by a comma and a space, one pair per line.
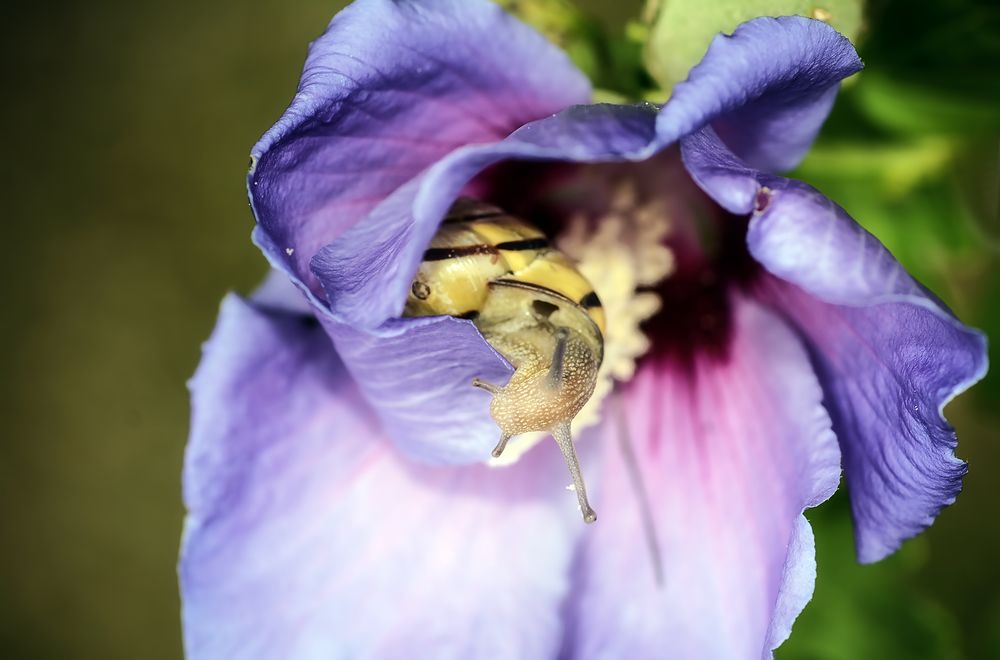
126, 131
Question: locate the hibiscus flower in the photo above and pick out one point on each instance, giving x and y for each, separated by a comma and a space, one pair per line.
758, 342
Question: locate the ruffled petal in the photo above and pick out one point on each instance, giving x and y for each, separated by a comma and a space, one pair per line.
308, 537
766, 89
367, 271
386, 91
768, 106
418, 375
730, 451
278, 293
890, 355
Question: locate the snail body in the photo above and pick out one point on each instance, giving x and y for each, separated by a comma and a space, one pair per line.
532, 305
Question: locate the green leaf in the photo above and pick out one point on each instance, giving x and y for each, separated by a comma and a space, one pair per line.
564, 25
612, 61
916, 108
949, 46
682, 29
894, 168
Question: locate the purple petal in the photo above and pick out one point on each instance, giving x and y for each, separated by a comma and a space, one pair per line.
308, 537
431, 361
418, 373
387, 90
730, 452
367, 271
278, 293
890, 355
766, 89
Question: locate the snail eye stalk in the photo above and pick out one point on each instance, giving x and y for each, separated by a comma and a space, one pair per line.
545, 395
